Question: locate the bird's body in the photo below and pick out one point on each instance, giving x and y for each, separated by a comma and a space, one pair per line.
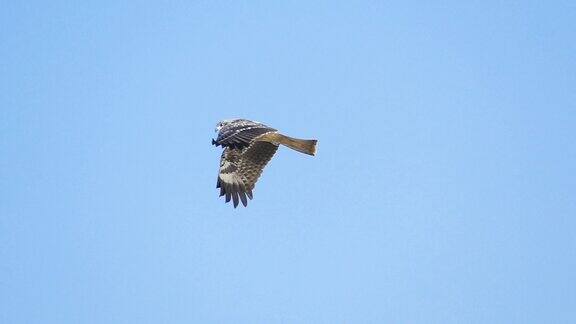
248, 147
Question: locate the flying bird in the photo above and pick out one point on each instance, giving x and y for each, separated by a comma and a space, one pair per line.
248, 147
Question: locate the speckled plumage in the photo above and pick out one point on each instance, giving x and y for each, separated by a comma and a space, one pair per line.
239, 132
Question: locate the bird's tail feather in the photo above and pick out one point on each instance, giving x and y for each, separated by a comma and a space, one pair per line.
300, 145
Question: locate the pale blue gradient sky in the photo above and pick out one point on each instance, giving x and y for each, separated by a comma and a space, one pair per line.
443, 190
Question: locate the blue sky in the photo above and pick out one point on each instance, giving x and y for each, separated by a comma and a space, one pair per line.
442, 192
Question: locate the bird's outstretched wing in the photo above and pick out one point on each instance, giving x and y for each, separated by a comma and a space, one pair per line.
241, 133
241, 168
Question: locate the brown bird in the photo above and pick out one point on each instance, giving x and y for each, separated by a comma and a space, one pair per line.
248, 147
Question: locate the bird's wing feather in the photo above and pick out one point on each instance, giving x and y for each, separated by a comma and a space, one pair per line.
253, 161
241, 133
241, 168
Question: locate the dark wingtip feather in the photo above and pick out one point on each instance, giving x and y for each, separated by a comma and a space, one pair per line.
228, 196
243, 198
249, 193
235, 199
235, 190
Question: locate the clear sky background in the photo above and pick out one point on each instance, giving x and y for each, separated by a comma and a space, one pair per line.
443, 190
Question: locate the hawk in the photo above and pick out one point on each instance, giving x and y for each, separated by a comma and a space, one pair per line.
248, 147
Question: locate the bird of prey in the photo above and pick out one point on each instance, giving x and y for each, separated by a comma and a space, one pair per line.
248, 147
